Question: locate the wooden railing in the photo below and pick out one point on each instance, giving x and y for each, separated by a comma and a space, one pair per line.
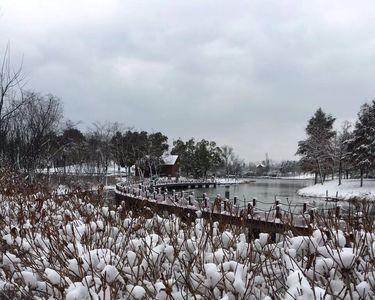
279, 217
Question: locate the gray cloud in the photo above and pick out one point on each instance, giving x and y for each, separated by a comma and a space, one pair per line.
245, 73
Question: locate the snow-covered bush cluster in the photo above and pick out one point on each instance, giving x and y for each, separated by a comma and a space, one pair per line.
73, 247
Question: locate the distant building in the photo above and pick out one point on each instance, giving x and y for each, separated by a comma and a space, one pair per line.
261, 169
171, 166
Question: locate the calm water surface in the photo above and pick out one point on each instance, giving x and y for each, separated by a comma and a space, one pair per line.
264, 190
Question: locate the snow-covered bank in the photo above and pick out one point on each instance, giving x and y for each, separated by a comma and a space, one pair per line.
301, 176
348, 189
86, 169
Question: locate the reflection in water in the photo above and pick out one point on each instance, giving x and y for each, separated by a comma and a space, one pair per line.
265, 191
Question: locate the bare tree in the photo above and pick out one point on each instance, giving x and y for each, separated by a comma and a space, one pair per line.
99, 146
11, 85
33, 131
227, 153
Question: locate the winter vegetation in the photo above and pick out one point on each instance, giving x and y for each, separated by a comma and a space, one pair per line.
74, 247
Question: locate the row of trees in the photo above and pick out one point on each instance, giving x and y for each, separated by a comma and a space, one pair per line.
141, 149
197, 158
145, 151
344, 152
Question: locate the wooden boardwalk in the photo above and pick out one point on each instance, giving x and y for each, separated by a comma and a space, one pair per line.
141, 199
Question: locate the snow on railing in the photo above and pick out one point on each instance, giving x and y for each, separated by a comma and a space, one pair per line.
297, 215
277, 213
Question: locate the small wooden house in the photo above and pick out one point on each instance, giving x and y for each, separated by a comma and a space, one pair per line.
260, 169
170, 167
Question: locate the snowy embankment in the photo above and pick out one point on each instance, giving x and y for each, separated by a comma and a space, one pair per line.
301, 176
349, 188
222, 181
85, 169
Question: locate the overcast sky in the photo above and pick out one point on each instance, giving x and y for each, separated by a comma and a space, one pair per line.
244, 73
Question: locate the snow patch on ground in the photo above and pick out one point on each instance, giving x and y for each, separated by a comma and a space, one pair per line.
348, 189
233, 180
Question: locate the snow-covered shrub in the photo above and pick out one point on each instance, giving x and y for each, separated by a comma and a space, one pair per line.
75, 247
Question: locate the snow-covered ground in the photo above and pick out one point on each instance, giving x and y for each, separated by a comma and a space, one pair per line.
348, 189
85, 169
233, 180
301, 176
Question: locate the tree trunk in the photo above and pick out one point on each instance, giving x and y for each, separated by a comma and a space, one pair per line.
64, 162
150, 170
316, 178
340, 171
362, 177
320, 171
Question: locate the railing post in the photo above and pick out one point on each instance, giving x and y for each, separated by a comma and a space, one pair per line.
277, 205
338, 212
249, 209
227, 194
278, 212
311, 213
217, 203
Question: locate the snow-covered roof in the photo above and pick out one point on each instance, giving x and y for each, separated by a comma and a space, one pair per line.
170, 160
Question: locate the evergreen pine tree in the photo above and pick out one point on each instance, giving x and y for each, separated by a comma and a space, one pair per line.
362, 144
317, 150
